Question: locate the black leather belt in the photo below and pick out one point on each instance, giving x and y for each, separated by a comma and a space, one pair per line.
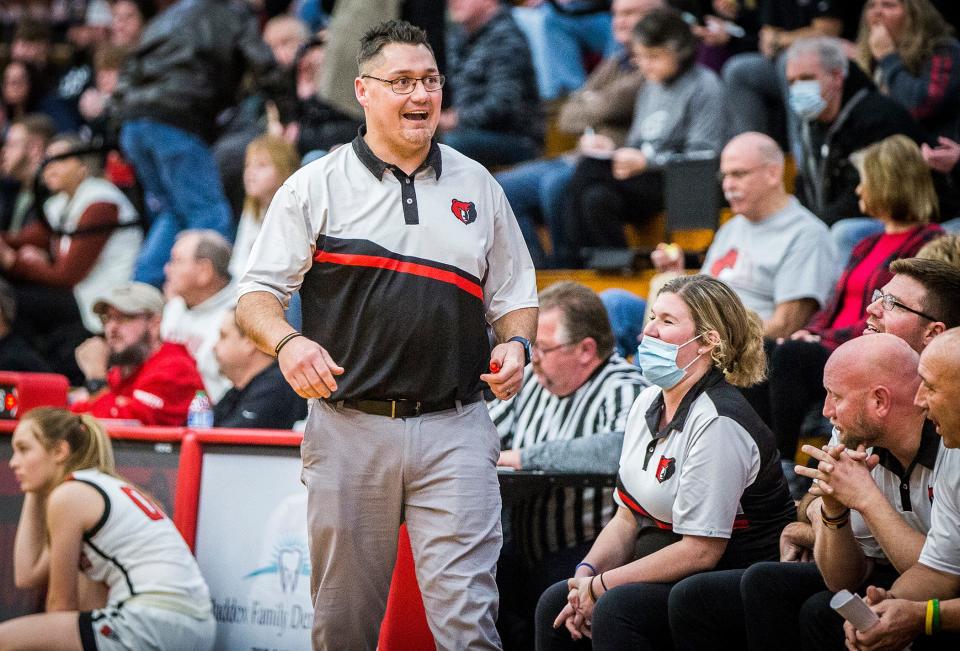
403, 408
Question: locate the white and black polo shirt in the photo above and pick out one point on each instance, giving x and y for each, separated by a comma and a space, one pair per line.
712, 471
909, 490
941, 551
399, 275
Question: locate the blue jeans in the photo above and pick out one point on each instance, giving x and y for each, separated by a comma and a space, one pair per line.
490, 148
535, 192
557, 43
847, 233
625, 311
181, 187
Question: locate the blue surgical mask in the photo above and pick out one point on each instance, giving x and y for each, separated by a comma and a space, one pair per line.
658, 361
806, 100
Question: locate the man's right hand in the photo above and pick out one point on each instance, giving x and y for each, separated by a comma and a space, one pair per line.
308, 368
667, 257
92, 356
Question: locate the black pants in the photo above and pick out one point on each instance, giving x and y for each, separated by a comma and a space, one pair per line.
796, 387
598, 205
629, 617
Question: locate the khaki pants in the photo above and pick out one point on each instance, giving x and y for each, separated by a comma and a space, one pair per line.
365, 475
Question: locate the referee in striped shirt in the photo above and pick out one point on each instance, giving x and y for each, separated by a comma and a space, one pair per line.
568, 416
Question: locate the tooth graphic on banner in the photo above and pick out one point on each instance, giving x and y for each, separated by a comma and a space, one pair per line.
290, 562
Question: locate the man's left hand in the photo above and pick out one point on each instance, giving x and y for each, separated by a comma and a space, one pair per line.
900, 622
508, 358
841, 477
510, 459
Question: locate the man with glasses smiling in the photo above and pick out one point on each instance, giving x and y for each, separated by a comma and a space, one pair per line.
919, 303
404, 252
130, 373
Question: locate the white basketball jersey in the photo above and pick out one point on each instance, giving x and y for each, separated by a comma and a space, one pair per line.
135, 548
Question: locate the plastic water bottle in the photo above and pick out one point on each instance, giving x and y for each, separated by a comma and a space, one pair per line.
200, 413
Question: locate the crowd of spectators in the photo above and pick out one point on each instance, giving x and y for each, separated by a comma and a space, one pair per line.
143, 141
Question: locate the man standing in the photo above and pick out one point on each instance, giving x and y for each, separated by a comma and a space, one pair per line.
403, 251
130, 372
200, 292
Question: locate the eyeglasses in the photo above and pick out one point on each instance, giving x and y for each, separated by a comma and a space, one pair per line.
736, 175
542, 352
406, 85
888, 302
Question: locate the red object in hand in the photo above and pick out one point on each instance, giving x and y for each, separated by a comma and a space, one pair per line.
494, 367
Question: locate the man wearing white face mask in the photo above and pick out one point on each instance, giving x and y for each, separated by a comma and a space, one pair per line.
841, 112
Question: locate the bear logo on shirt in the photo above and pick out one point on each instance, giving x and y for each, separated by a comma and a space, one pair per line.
666, 468
465, 211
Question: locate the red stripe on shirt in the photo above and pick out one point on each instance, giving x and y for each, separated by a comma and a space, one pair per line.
633, 506
936, 88
379, 262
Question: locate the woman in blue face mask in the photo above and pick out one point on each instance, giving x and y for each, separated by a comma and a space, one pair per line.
699, 486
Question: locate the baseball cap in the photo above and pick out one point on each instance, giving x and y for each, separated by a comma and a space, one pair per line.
131, 298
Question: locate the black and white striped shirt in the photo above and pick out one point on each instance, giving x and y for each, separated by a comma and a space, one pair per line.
542, 425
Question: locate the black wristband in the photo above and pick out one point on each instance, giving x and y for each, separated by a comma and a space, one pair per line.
283, 342
94, 384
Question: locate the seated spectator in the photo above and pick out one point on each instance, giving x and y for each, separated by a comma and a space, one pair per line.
885, 500
678, 113
945, 248
755, 82
841, 112
897, 189
23, 150
107, 61
563, 34
19, 90
699, 487
199, 292
285, 35
495, 113
259, 396
909, 50
16, 354
270, 160
774, 253
114, 567
537, 190
936, 577
85, 244
130, 372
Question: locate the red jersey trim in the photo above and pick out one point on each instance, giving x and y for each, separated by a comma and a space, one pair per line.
636, 508
380, 262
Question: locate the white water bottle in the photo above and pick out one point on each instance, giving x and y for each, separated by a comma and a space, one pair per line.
200, 413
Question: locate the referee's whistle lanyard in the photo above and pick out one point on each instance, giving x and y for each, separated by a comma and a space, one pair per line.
658, 361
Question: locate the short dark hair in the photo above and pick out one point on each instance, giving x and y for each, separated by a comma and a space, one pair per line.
941, 284
666, 28
90, 156
583, 314
391, 31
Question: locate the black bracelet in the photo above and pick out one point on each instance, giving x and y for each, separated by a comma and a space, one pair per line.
283, 342
94, 384
593, 597
605, 588
838, 522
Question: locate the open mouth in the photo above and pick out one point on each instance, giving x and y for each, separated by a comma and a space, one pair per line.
417, 116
